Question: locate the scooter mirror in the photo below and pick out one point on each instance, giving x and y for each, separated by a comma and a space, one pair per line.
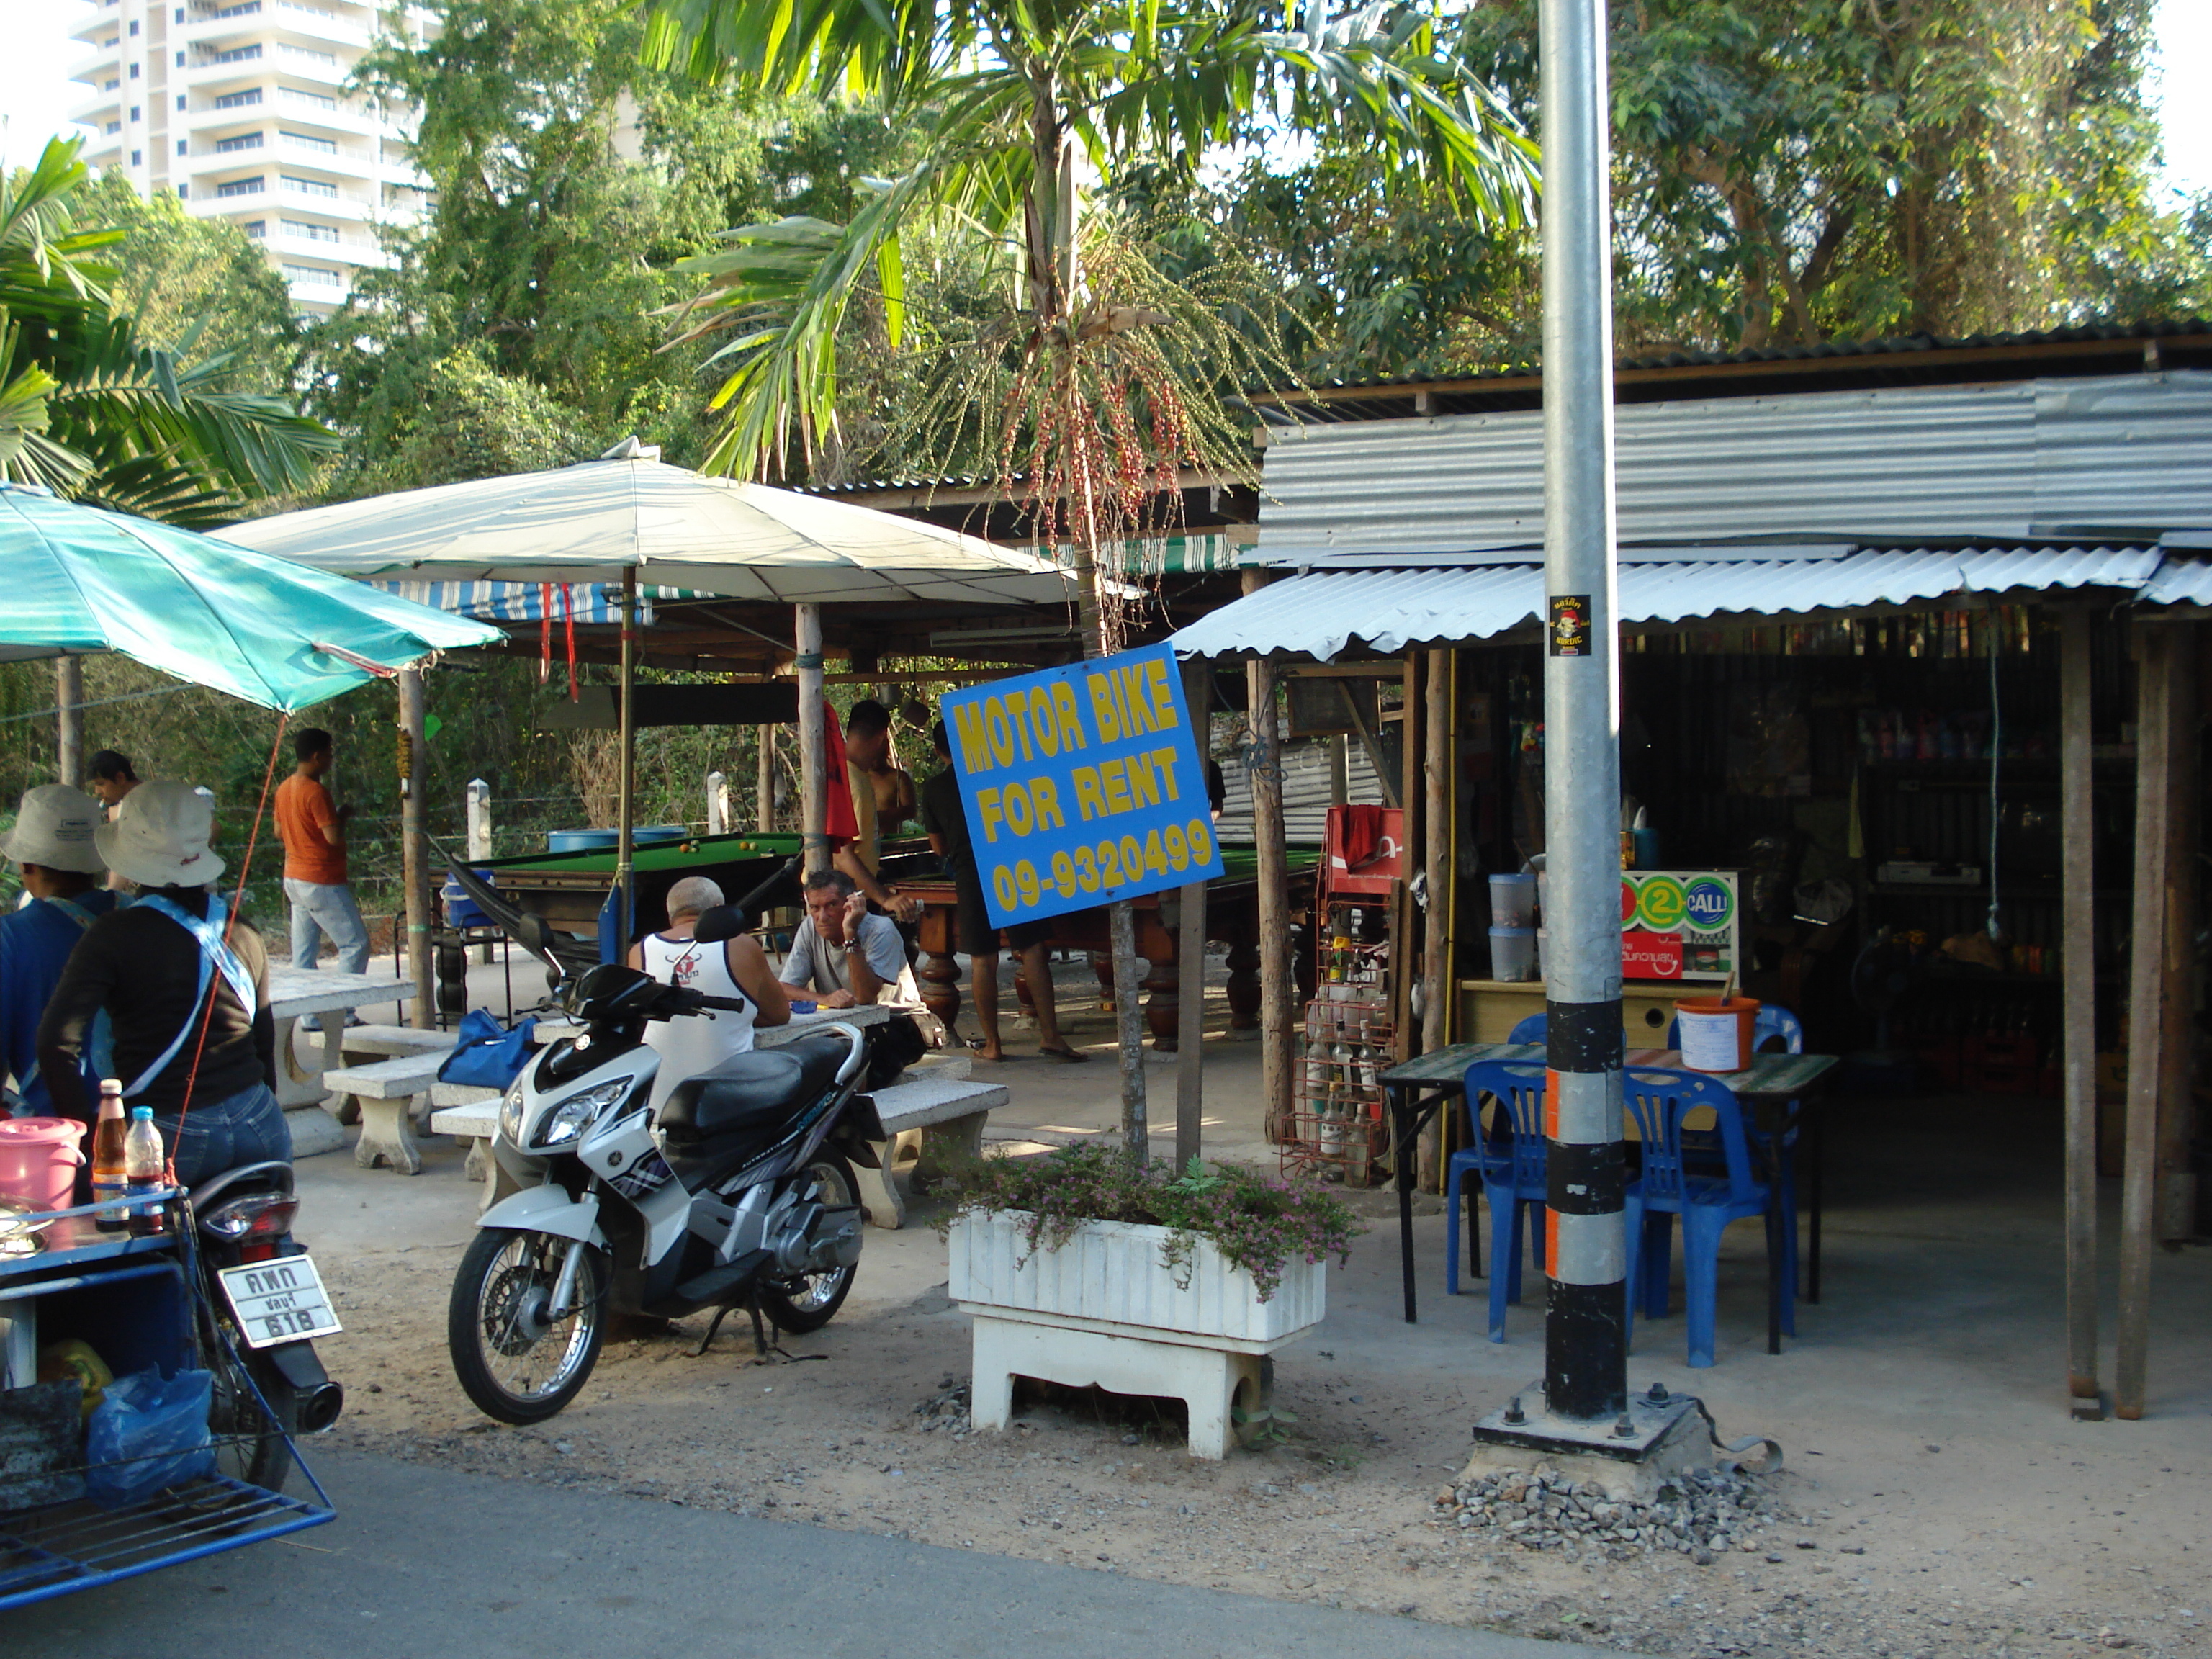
724, 921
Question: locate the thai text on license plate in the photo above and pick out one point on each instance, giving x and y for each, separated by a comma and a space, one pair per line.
279, 1301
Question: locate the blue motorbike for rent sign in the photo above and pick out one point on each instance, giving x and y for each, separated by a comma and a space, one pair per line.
1082, 785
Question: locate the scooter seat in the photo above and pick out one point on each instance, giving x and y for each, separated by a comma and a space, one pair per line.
748, 1090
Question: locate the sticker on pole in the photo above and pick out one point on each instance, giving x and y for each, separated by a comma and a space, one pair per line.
1568, 632
1081, 786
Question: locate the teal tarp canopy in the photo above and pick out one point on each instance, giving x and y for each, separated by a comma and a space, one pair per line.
268, 629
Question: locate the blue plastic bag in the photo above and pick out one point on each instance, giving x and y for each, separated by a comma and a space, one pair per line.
148, 1433
489, 1055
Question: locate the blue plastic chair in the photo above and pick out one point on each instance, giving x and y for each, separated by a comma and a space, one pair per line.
1670, 1185
1531, 1029
1511, 1162
1771, 1022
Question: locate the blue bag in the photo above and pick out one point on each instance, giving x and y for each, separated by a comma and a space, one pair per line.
148, 1433
489, 1055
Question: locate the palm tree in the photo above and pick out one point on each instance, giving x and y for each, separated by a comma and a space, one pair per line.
93, 412
1100, 381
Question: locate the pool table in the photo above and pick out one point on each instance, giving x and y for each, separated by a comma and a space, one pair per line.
568, 889
1232, 917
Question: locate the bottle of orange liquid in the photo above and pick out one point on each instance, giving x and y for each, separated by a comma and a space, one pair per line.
108, 1176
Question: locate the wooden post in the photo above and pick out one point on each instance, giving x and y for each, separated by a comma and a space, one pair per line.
1340, 770
1190, 962
1436, 842
413, 868
1278, 993
813, 781
2173, 1201
764, 781
69, 720
626, 817
2079, 964
2147, 992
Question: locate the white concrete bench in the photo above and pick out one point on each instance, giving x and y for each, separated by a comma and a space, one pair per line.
391, 1040
936, 1112
470, 1112
388, 1090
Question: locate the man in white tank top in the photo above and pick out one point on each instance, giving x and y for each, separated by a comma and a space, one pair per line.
737, 968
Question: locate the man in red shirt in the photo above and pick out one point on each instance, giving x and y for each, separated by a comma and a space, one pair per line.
314, 834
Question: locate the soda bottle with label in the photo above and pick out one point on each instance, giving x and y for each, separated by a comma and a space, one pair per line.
142, 1163
108, 1179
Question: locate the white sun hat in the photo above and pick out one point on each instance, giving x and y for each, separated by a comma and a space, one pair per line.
54, 830
159, 836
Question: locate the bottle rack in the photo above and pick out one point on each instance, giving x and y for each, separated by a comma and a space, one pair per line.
1336, 1131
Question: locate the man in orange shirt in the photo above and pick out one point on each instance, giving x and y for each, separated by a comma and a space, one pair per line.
315, 860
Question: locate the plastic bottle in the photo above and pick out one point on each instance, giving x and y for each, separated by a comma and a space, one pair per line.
108, 1179
143, 1161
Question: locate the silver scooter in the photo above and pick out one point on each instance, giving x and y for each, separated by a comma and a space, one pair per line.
738, 1193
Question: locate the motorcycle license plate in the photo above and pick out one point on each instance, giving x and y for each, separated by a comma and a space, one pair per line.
279, 1301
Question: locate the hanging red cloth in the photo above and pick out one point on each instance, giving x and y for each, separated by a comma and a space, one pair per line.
839, 821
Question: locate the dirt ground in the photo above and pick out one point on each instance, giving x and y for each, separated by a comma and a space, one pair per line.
1937, 1512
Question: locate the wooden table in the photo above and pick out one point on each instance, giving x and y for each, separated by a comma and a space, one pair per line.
1773, 1085
295, 993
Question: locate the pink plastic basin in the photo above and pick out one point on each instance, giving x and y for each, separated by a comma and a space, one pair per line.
39, 1158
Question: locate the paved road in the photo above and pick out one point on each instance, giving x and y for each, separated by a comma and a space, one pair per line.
424, 1563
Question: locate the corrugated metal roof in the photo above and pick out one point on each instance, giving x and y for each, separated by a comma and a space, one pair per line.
1900, 464
1899, 345
2180, 582
1320, 612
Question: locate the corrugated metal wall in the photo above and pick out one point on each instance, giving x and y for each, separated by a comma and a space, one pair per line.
2002, 460
1305, 790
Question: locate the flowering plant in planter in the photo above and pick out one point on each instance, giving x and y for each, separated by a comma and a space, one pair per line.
1259, 1222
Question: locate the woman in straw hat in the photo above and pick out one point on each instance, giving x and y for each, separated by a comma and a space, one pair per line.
52, 845
167, 969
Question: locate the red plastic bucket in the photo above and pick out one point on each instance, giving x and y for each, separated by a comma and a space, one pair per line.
1716, 1034
39, 1156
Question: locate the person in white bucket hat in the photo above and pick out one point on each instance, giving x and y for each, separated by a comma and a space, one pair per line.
52, 846
156, 969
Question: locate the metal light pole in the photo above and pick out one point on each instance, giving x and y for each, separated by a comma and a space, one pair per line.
1586, 1309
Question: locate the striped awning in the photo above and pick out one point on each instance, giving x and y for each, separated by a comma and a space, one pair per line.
528, 602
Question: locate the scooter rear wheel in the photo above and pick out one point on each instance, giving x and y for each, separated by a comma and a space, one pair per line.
517, 1363
811, 1301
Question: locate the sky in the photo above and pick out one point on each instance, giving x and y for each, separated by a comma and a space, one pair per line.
35, 98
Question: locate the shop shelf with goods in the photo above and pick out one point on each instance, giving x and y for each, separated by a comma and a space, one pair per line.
1336, 1131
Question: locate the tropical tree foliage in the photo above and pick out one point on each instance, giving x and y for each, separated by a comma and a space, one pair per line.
1789, 172
1033, 116
567, 179
91, 406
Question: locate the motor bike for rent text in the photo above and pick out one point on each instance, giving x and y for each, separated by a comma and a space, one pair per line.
740, 1195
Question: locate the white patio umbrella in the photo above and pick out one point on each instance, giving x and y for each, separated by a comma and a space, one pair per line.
629, 518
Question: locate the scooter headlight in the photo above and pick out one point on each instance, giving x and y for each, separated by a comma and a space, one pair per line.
569, 1121
510, 1115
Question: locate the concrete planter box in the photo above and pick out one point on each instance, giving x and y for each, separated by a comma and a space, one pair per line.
1103, 1309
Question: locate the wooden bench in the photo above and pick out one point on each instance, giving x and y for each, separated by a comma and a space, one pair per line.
937, 1111
388, 1090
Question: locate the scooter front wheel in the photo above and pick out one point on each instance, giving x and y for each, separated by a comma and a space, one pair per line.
514, 1358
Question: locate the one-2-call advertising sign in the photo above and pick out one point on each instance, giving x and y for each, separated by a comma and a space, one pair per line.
1082, 785
1679, 924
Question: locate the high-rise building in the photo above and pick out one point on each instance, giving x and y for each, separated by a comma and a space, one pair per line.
241, 106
